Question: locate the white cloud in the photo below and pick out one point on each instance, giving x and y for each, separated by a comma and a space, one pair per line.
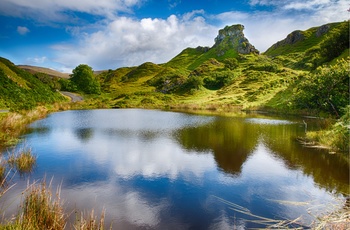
126, 42
22, 30
291, 4
56, 10
264, 28
37, 60
116, 41
174, 3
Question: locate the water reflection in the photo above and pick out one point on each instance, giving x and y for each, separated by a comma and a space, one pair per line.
84, 134
231, 142
164, 170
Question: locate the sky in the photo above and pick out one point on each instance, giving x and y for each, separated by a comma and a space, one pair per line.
108, 34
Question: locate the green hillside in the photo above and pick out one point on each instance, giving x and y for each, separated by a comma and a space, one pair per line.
313, 47
21, 90
230, 75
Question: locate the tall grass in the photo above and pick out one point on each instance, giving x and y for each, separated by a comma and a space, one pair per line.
43, 209
337, 137
23, 160
89, 221
13, 124
339, 219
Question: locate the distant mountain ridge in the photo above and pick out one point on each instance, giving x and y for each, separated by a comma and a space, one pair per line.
50, 72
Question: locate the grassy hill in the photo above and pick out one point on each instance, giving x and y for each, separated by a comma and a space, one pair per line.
313, 47
231, 74
19, 89
207, 78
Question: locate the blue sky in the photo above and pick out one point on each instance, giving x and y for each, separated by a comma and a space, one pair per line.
108, 34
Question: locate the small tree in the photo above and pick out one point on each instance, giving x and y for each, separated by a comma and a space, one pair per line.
84, 79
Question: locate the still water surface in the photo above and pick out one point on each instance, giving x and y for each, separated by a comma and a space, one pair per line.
166, 170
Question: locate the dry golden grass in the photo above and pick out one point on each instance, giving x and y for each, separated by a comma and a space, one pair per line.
334, 220
22, 160
89, 221
13, 124
41, 209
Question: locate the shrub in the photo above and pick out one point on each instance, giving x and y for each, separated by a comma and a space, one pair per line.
326, 89
23, 160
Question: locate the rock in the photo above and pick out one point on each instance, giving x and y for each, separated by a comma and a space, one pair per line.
203, 49
232, 37
322, 30
292, 38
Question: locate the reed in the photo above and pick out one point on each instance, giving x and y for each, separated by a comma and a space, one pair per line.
13, 124
23, 160
3, 164
89, 221
43, 209
40, 209
333, 217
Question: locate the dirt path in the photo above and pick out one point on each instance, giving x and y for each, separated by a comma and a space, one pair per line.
74, 97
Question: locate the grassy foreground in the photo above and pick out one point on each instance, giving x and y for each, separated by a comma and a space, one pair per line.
40, 207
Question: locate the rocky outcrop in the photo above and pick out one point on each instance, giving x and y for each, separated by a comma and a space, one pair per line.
232, 37
292, 38
203, 49
322, 30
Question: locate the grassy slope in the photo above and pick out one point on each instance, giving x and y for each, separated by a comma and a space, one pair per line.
21, 90
310, 40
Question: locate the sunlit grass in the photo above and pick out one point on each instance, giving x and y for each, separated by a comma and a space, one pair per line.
23, 160
40, 209
43, 209
89, 221
339, 219
13, 124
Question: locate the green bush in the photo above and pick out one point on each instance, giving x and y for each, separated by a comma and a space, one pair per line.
218, 80
326, 89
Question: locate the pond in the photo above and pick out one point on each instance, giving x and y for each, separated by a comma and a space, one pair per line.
153, 169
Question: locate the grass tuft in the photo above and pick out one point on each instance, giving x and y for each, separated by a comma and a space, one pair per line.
89, 221
23, 160
40, 210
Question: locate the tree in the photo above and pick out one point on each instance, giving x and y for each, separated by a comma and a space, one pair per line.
84, 79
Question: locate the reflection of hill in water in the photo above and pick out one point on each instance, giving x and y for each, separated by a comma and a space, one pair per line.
329, 171
232, 140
